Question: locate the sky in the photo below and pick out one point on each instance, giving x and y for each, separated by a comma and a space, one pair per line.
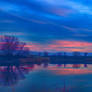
49, 25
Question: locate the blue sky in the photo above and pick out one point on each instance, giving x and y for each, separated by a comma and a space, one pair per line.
44, 23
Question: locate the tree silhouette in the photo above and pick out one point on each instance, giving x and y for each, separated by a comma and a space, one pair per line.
11, 45
59, 54
45, 53
85, 54
76, 53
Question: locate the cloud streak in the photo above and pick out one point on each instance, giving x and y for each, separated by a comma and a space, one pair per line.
51, 24
61, 45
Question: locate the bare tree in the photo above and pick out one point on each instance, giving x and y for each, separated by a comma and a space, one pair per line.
11, 45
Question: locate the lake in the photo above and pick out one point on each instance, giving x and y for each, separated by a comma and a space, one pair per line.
46, 78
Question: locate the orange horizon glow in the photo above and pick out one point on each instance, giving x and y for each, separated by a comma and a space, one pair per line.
69, 71
61, 45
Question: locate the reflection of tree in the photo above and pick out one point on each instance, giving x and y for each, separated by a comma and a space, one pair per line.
76, 65
79, 65
10, 75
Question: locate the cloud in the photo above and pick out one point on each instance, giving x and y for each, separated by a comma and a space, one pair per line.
13, 33
63, 12
73, 29
38, 21
73, 5
63, 20
61, 45
58, 9
7, 21
69, 28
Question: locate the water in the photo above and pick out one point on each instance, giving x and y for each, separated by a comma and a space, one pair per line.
43, 78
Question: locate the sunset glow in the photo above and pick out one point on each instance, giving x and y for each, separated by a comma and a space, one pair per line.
61, 45
50, 25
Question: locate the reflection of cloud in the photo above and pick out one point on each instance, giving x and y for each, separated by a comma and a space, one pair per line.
69, 71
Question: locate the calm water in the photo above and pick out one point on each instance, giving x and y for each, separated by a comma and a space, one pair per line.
43, 78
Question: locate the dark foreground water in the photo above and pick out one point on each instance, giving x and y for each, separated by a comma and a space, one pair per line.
43, 78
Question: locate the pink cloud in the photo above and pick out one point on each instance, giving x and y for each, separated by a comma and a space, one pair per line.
61, 45
61, 12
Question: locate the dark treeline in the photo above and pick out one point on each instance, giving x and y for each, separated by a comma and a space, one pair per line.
65, 58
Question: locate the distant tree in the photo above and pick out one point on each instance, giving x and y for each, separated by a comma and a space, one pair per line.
11, 45
46, 53
39, 53
25, 52
85, 54
76, 53
65, 54
59, 54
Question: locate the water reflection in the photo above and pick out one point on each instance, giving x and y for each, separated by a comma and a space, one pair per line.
47, 78
10, 75
68, 69
72, 65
